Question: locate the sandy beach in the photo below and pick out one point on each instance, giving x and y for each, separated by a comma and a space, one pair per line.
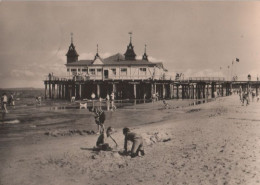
211, 143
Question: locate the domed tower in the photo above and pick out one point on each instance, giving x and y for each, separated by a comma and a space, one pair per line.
130, 54
72, 55
145, 56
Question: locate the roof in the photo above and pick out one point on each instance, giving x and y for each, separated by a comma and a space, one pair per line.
117, 59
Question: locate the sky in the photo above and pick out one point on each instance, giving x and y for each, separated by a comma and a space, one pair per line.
198, 39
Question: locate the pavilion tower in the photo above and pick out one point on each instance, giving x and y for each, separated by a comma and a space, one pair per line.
72, 55
130, 54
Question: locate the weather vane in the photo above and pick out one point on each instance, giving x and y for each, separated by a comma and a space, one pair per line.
130, 33
71, 34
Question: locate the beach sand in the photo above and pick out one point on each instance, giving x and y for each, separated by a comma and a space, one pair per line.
212, 143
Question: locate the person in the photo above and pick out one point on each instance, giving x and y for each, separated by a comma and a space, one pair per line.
38, 100
100, 119
245, 98
101, 143
11, 100
257, 97
113, 107
253, 96
153, 97
157, 96
108, 102
4, 102
166, 105
215, 94
137, 141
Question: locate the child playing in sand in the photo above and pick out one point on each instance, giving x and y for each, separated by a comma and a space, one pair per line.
101, 141
137, 142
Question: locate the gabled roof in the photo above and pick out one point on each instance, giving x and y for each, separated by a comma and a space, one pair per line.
117, 59
80, 63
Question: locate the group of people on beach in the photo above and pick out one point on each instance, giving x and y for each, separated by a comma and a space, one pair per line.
244, 96
7, 101
101, 144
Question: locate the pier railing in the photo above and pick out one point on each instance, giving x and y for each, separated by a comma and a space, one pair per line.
116, 77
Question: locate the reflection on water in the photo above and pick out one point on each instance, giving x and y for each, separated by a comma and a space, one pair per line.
121, 104
197, 102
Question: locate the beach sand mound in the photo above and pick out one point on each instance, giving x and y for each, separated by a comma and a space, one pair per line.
152, 138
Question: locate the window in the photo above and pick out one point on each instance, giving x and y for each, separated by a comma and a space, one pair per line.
84, 70
142, 71
124, 71
74, 71
99, 71
92, 71
68, 70
113, 71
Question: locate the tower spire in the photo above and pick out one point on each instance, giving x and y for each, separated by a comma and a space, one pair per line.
71, 34
130, 33
145, 56
72, 55
97, 55
130, 54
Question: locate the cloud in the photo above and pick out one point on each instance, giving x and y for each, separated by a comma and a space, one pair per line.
21, 73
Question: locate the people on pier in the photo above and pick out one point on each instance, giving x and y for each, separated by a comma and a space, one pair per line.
102, 142
136, 139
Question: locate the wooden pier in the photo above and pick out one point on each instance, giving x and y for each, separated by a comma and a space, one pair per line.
193, 88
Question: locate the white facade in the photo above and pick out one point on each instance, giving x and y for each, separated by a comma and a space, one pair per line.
99, 72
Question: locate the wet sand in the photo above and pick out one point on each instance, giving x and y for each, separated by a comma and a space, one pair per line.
213, 143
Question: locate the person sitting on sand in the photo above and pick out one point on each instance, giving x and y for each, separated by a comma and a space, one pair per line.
101, 143
100, 118
166, 105
137, 141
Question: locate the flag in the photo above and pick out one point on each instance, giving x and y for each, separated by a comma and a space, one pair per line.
237, 59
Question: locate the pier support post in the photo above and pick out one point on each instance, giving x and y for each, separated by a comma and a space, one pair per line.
152, 89
80, 90
53, 91
50, 93
62, 94
45, 94
171, 91
135, 91
163, 88
177, 92
98, 90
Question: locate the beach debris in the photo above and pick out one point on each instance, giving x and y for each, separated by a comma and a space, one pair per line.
57, 133
193, 110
